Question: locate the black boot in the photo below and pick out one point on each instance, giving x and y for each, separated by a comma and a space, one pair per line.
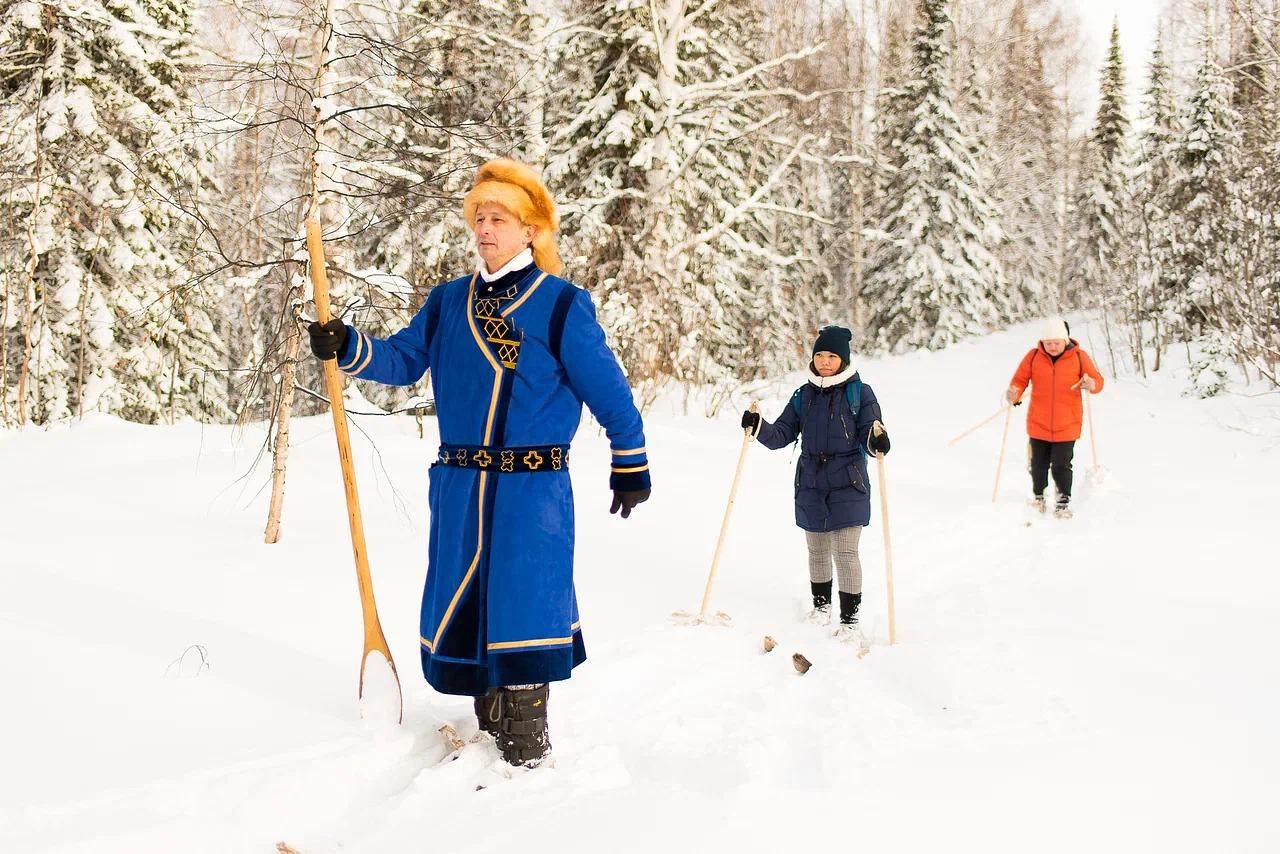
522, 730
489, 711
821, 595
849, 603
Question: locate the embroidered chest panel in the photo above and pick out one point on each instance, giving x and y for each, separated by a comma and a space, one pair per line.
499, 332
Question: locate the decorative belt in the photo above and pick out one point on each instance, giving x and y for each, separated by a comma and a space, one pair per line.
523, 459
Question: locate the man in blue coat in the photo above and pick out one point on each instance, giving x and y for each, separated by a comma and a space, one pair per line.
514, 352
832, 415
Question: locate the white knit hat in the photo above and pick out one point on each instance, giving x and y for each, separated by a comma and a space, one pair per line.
1054, 328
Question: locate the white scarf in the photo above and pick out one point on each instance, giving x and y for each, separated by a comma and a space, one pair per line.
522, 260
834, 379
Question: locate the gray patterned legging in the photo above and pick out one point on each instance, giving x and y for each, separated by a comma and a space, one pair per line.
842, 544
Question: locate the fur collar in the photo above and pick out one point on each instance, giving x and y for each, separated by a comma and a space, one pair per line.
833, 380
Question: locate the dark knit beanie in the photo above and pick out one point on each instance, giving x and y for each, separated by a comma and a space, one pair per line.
834, 339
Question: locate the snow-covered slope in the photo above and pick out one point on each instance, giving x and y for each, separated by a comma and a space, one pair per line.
1107, 683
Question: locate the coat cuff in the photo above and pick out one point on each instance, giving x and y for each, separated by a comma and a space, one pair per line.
356, 353
630, 470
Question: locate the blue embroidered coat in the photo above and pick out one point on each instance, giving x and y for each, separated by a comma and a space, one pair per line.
512, 362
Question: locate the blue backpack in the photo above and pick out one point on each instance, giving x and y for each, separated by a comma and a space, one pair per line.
852, 393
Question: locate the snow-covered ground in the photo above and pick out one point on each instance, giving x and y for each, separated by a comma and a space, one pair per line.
1107, 683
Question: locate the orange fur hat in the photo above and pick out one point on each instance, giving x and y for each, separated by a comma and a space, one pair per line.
518, 188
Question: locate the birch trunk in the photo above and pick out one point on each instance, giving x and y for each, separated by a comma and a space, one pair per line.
284, 408
323, 132
29, 303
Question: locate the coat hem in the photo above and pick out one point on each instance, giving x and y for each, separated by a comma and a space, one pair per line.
460, 677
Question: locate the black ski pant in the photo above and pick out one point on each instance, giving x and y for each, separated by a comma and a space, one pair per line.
1056, 456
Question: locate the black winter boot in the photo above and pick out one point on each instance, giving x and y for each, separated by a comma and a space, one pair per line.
522, 730
849, 603
821, 595
489, 711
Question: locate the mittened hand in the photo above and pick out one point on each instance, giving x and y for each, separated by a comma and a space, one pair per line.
328, 339
1087, 383
626, 500
751, 421
879, 444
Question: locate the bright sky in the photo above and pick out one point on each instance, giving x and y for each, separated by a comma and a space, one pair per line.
1138, 20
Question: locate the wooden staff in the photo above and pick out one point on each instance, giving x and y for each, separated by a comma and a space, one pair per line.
1088, 408
983, 423
1093, 437
374, 640
877, 428
747, 436
1008, 415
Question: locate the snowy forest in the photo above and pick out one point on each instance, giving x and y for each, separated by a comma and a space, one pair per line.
731, 176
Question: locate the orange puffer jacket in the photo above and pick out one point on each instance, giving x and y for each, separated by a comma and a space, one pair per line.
1056, 409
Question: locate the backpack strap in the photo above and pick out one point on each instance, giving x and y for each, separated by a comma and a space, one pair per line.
797, 402
853, 393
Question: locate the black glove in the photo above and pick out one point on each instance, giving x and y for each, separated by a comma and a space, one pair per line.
627, 499
328, 339
751, 421
878, 444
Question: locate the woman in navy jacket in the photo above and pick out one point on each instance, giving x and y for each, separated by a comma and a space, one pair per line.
832, 415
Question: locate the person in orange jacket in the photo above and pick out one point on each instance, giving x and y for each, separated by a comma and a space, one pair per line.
1059, 371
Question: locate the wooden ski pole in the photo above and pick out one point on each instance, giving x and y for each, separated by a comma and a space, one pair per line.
983, 423
747, 436
374, 640
1088, 408
1008, 415
1093, 437
878, 428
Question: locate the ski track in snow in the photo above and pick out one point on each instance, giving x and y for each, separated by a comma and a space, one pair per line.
1107, 681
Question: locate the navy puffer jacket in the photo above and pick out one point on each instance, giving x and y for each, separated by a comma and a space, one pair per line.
831, 482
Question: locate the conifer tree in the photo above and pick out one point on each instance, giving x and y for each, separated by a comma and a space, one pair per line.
932, 278
1205, 155
893, 69
94, 116
1247, 310
1024, 180
1099, 240
466, 91
666, 167
1153, 171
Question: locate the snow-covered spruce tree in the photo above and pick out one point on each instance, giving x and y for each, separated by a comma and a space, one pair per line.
666, 166
93, 111
425, 91
1097, 256
1153, 171
1248, 313
853, 182
980, 122
1206, 155
466, 83
1024, 165
892, 72
932, 278
826, 189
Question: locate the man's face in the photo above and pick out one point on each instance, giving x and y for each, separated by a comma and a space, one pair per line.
500, 236
826, 364
1054, 346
